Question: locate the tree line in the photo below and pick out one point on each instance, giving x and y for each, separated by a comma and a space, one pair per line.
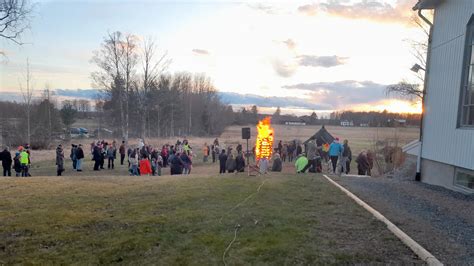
139, 98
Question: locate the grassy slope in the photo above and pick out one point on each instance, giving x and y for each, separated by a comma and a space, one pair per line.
185, 220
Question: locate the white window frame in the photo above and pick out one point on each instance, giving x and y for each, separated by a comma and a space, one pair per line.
464, 171
467, 79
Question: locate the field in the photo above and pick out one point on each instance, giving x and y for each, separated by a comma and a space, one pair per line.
359, 138
108, 217
189, 220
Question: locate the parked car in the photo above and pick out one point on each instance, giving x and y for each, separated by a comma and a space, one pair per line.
78, 132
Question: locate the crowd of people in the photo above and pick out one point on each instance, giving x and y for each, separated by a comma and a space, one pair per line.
144, 159
336, 155
21, 162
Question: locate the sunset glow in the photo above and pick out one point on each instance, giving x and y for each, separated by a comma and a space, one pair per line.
308, 56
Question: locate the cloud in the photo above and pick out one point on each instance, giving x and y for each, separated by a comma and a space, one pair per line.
283, 102
309, 10
343, 94
290, 44
268, 9
287, 68
200, 52
321, 61
364, 9
89, 94
284, 69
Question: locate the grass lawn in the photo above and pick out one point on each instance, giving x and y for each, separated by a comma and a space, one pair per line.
188, 220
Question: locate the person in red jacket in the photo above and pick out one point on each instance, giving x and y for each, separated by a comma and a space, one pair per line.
145, 167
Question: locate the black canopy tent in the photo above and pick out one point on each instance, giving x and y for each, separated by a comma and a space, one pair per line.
321, 137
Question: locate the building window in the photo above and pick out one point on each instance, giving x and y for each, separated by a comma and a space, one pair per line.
465, 178
467, 94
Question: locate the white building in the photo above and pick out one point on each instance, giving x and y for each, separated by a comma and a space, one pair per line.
347, 123
447, 148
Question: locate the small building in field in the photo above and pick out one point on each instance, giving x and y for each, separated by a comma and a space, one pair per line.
294, 121
447, 140
347, 123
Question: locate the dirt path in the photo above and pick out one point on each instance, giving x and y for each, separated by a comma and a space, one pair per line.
440, 220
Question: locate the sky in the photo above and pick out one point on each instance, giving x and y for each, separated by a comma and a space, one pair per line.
303, 56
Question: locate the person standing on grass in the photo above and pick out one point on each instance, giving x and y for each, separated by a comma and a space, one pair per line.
17, 164
103, 154
73, 156
312, 150
205, 153
122, 152
240, 162
362, 163
111, 153
96, 157
213, 153
6, 158
290, 151
230, 164
145, 166
133, 161
335, 151
176, 164
280, 147
60, 160
239, 148
80, 158
284, 152
346, 157
186, 159
222, 162
24, 161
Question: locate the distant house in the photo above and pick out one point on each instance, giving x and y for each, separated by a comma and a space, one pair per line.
447, 142
295, 121
347, 123
397, 122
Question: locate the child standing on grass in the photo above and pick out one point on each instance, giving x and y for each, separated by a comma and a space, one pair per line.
17, 164
133, 161
145, 166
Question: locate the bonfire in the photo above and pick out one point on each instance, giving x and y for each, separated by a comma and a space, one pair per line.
264, 144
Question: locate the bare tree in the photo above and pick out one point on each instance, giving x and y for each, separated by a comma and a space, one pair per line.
14, 19
27, 95
152, 68
117, 59
419, 51
47, 96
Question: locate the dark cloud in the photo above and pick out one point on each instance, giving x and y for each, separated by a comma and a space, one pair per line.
321, 61
364, 9
284, 102
343, 94
200, 52
287, 69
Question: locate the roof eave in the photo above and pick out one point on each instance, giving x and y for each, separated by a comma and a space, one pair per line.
427, 4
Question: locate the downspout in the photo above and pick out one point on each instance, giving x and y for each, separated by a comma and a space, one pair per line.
425, 85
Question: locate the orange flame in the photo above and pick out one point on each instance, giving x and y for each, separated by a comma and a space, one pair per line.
264, 144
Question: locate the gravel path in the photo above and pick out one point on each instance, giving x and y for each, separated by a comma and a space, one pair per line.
440, 220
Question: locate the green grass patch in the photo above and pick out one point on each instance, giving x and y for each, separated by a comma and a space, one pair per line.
188, 220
